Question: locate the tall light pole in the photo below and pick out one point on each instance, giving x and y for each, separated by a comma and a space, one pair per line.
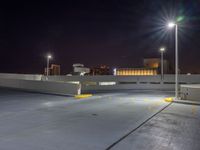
48, 58
172, 25
162, 50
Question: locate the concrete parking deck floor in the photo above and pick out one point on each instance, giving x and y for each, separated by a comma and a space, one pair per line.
31, 121
175, 128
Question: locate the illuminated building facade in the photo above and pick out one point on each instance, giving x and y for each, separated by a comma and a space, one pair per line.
136, 71
151, 67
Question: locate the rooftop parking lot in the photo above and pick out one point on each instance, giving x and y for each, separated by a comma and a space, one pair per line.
117, 120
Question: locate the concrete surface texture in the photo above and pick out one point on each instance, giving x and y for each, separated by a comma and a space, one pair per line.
30, 121
175, 128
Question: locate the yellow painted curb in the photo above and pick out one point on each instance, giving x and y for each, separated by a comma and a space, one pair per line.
82, 96
169, 99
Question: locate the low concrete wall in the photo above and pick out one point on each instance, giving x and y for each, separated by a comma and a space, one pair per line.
90, 88
41, 86
20, 76
93, 83
190, 92
109, 82
168, 79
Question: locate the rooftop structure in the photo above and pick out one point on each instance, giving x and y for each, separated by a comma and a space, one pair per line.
156, 64
53, 70
79, 69
100, 70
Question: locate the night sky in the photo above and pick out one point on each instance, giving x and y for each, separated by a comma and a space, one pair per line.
117, 33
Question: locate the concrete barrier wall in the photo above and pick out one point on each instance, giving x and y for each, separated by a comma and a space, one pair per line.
190, 92
20, 76
95, 83
92, 89
168, 79
41, 86
92, 83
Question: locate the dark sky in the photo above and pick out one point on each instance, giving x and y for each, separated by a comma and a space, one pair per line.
118, 33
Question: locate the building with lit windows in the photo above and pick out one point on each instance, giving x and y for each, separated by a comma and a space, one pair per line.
151, 66
135, 71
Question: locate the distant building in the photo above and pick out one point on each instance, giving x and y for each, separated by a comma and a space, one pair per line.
53, 70
151, 66
101, 70
79, 69
156, 64
135, 71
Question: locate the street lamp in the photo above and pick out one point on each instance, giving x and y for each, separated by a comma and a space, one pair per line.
48, 58
172, 25
162, 50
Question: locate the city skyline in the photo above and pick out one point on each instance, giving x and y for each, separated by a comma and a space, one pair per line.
114, 33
